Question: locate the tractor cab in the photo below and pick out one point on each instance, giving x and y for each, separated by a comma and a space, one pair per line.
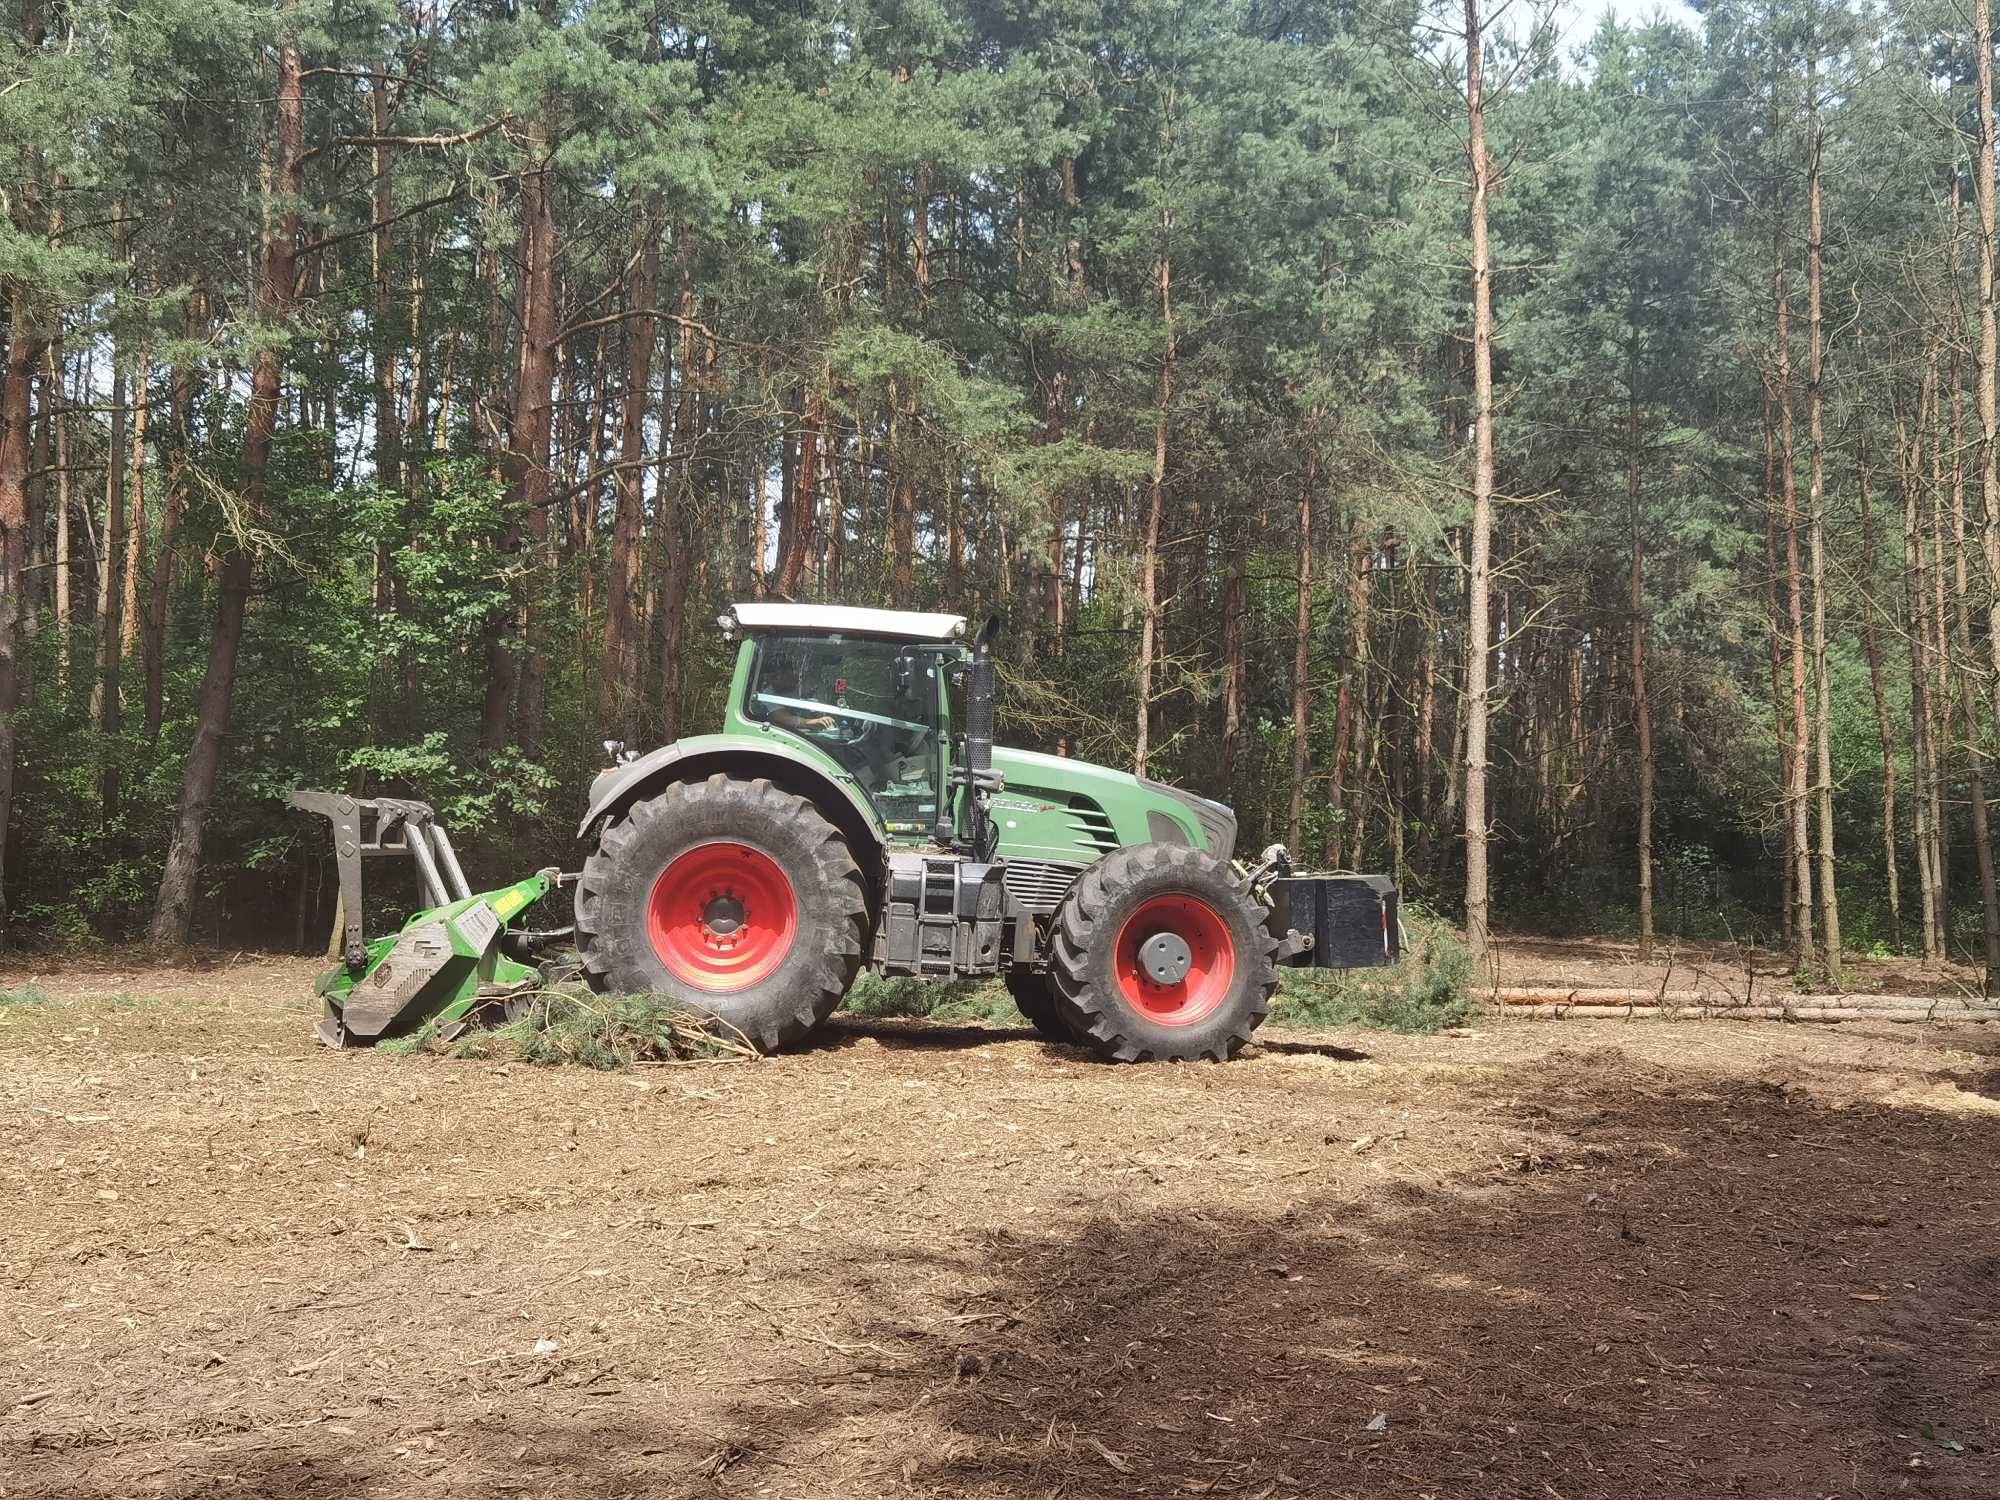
867, 689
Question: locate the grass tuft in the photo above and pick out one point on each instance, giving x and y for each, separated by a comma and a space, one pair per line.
24, 996
1427, 991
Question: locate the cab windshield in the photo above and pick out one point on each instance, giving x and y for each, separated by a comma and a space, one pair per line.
870, 704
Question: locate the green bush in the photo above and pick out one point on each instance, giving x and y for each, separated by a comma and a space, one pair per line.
1427, 991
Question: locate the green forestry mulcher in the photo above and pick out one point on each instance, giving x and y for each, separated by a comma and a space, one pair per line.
854, 811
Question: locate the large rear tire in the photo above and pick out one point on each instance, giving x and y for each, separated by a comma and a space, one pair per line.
1159, 954
732, 898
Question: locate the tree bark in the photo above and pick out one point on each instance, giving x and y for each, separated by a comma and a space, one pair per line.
619, 694
1302, 653
173, 912
104, 704
25, 347
106, 698
1478, 586
1235, 662
1803, 949
153, 639
1349, 697
135, 532
1989, 427
1965, 695
528, 452
1642, 708
1829, 900
1872, 648
381, 244
1917, 631
1149, 554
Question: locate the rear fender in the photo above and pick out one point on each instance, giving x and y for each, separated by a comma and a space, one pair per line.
794, 768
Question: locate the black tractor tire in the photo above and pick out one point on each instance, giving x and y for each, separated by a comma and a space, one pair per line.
622, 903
1101, 989
1035, 997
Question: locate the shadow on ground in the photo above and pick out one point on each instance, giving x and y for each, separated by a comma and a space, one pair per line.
1699, 1287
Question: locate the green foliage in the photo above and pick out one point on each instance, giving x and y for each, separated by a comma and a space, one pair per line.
1427, 991
985, 1001
20, 997
951, 236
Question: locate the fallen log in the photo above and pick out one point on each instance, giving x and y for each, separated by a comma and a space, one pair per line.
1914, 1014
1553, 995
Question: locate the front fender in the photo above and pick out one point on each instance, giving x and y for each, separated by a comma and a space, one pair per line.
769, 753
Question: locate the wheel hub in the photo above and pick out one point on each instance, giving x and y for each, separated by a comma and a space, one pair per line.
1173, 960
1165, 958
724, 915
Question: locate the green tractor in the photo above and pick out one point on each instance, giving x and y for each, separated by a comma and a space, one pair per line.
854, 811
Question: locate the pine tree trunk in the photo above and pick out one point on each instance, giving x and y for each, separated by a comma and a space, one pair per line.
1829, 901
1422, 751
533, 428
1796, 811
1149, 554
135, 532
388, 426
64, 559
498, 702
1965, 692
104, 703
106, 698
671, 524
1481, 542
1940, 655
1787, 749
1353, 681
1235, 663
173, 912
1302, 655
180, 412
1989, 428
24, 352
619, 692
1642, 709
1916, 631
1872, 648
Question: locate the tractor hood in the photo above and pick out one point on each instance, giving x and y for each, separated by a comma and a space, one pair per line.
1054, 807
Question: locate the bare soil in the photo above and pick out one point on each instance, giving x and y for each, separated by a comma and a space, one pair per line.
1572, 1259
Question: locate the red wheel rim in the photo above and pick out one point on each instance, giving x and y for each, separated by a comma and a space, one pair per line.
1211, 964
722, 916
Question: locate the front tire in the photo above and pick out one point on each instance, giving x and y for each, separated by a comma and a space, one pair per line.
731, 898
1159, 954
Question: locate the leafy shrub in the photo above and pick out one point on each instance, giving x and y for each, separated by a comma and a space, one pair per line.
1427, 991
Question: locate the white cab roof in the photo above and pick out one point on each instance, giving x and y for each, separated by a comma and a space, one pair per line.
843, 619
